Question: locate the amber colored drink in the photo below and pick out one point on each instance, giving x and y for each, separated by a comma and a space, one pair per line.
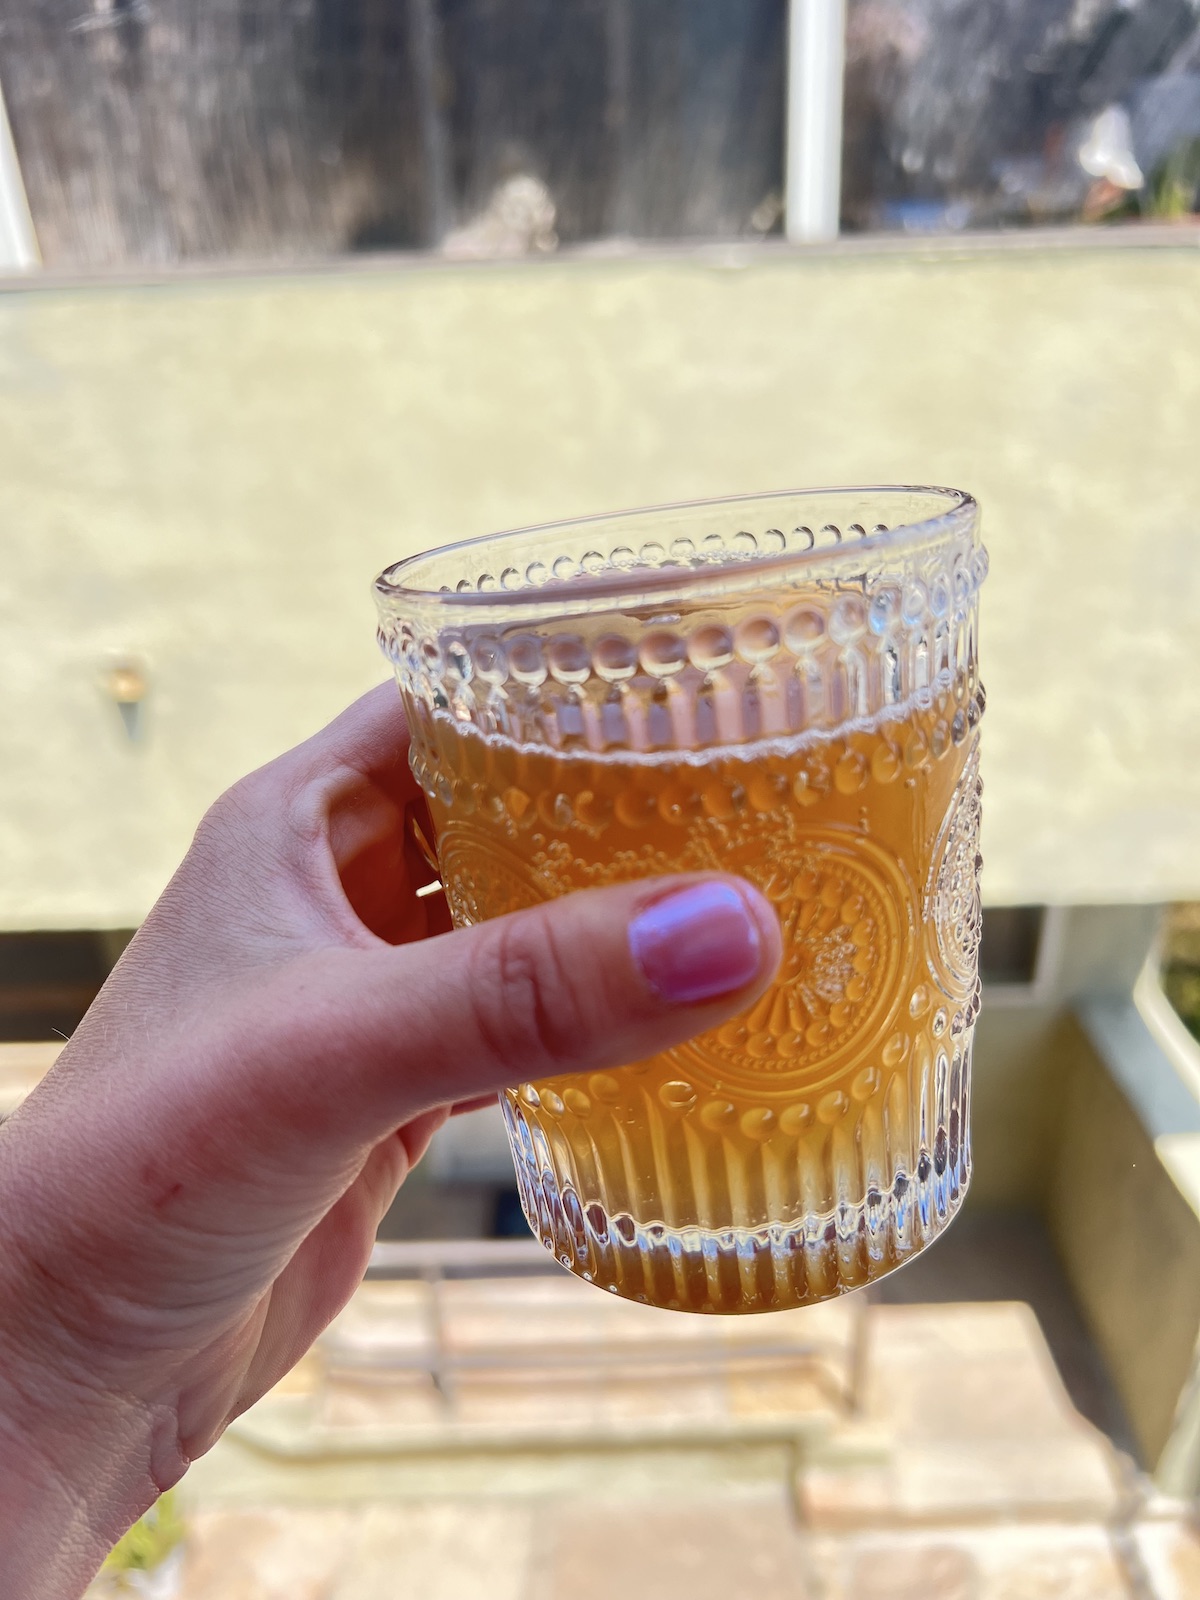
815, 1141
784, 686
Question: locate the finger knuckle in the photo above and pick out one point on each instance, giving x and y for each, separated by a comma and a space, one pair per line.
261, 808
529, 1002
233, 811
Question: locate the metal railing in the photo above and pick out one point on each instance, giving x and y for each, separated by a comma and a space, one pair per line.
448, 1364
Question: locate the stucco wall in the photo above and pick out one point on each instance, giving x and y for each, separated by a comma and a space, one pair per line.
208, 474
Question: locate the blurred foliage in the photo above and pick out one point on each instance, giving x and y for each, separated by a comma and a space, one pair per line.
1174, 190
1181, 964
151, 1539
1171, 194
1182, 985
963, 115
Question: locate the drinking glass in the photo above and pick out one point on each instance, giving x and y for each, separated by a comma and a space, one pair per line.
785, 687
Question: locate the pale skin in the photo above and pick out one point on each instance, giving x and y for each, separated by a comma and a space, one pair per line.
193, 1192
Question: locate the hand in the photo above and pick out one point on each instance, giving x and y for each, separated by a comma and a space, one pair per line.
193, 1192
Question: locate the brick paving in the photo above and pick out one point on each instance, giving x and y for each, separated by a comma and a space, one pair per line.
962, 1473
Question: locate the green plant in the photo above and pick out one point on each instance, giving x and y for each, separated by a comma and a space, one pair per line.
1175, 188
151, 1539
1182, 985
1181, 960
1171, 193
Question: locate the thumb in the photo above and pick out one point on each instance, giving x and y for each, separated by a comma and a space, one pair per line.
594, 980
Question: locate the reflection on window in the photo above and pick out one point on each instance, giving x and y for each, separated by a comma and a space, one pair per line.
976, 116
270, 129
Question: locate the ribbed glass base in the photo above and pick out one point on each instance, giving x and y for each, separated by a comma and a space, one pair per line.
896, 1181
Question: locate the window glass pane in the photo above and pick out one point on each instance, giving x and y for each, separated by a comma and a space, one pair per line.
269, 129
961, 115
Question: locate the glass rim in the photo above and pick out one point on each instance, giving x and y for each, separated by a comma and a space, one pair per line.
393, 584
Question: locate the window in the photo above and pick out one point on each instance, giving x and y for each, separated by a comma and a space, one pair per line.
978, 116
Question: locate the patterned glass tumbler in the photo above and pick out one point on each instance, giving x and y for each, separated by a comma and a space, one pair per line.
784, 687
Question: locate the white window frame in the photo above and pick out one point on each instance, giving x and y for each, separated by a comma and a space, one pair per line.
813, 159
18, 242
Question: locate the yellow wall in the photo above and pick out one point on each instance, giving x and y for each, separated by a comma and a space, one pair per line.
208, 473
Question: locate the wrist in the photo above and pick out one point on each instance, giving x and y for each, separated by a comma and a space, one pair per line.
81, 1455
77, 1468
